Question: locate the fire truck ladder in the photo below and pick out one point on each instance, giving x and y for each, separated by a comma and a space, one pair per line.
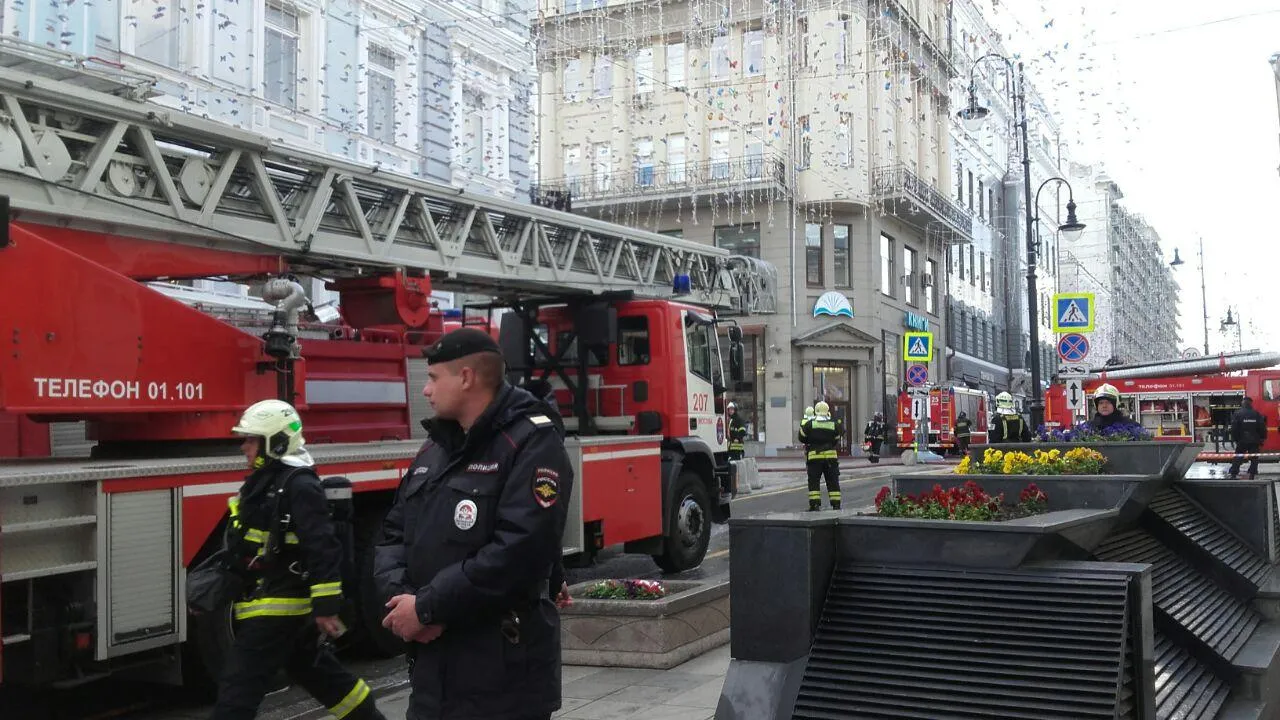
78, 150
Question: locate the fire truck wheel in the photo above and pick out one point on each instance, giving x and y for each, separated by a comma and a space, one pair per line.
688, 528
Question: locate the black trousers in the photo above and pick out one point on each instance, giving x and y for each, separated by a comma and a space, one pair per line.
1238, 461
875, 450
962, 444
819, 469
265, 645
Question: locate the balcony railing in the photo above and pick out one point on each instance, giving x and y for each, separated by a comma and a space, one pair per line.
750, 171
897, 181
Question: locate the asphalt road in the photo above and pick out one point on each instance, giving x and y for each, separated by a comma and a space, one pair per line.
117, 698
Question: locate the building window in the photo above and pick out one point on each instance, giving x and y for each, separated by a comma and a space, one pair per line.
931, 287
572, 80
280, 65
572, 156
813, 254
720, 58
970, 174
603, 76
982, 262
886, 265
476, 129
156, 26
644, 162
720, 154
951, 261
973, 269
739, 239
753, 151
981, 193
380, 101
644, 71
909, 275
603, 168
805, 146
753, 52
840, 235
959, 184
675, 65
675, 159
991, 204
844, 51
802, 40
845, 139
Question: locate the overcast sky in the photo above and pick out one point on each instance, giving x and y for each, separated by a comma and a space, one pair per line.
1178, 101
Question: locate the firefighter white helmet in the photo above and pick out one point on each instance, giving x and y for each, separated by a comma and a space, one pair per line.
1107, 391
823, 409
808, 412
1004, 403
277, 423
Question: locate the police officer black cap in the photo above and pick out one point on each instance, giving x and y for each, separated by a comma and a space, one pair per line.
460, 343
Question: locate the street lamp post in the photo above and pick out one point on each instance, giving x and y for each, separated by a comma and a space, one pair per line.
1204, 296
973, 117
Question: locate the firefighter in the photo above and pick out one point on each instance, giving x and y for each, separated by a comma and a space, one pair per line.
1106, 405
964, 432
821, 435
875, 432
737, 433
473, 534
1249, 431
281, 533
1008, 426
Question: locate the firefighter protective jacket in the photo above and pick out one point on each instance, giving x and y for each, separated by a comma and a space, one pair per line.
305, 575
474, 532
737, 434
821, 435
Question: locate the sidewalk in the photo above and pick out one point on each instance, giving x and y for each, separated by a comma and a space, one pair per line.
685, 692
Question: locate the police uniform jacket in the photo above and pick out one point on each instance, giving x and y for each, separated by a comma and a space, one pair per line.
474, 533
304, 575
1248, 427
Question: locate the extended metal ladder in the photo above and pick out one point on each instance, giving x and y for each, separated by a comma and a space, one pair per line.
101, 158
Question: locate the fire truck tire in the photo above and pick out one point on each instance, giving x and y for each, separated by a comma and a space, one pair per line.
688, 529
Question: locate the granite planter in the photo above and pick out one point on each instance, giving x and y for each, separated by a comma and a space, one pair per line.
1055, 535
1168, 459
659, 634
1127, 493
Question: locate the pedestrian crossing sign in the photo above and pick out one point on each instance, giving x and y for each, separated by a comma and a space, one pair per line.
1073, 312
917, 347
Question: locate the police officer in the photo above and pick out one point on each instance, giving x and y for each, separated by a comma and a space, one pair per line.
1008, 426
964, 432
281, 534
875, 433
737, 433
1249, 431
821, 434
471, 539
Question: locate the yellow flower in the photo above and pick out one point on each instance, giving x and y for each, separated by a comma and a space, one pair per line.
963, 467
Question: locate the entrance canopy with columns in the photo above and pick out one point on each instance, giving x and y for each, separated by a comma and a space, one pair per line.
839, 343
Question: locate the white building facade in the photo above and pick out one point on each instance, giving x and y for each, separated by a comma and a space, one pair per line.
812, 136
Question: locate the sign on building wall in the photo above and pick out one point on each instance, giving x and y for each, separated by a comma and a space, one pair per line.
917, 322
834, 304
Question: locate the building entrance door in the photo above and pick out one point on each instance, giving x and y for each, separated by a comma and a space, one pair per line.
833, 383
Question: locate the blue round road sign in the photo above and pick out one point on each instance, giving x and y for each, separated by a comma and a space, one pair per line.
1073, 347
917, 375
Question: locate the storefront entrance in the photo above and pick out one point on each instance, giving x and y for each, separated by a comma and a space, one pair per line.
833, 383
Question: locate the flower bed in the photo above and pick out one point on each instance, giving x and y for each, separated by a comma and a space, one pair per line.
964, 502
626, 590
1085, 433
1078, 461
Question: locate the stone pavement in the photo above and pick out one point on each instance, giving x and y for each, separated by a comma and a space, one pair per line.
686, 692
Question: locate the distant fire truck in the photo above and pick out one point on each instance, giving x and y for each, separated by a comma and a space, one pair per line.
945, 405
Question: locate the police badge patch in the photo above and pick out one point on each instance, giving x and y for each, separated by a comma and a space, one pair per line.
546, 489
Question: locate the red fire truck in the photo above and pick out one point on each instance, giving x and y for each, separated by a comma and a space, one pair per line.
945, 405
1185, 399
113, 197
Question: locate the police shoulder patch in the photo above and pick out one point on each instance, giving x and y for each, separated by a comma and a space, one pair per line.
546, 487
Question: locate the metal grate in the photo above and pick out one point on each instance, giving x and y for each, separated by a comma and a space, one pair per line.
931, 643
1186, 689
1186, 518
1187, 598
